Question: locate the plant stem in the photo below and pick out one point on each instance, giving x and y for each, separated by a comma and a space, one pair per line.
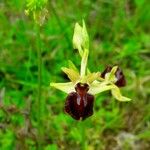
82, 131
39, 102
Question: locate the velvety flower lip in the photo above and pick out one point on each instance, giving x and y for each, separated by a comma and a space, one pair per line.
120, 82
79, 104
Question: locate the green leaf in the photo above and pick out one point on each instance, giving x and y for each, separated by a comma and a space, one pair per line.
75, 134
144, 135
51, 147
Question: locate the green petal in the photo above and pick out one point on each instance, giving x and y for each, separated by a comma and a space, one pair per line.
88, 71
72, 75
92, 77
97, 87
113, 70
111, 75
65, 87
72, 66
78, 38
117, 94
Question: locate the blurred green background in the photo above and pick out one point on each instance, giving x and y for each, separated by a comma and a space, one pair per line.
119, 33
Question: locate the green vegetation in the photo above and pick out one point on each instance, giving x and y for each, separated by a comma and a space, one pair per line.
32, 116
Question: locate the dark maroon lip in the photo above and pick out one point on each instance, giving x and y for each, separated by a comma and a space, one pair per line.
121, 81
79, 104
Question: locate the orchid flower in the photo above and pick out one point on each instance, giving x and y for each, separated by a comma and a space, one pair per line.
83, 84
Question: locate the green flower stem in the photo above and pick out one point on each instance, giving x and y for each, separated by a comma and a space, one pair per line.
39, 101
83, 135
